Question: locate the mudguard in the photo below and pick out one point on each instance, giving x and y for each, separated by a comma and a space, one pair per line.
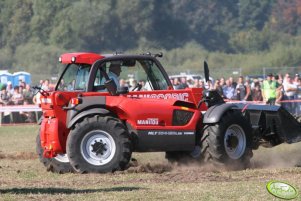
214, 113
85, 113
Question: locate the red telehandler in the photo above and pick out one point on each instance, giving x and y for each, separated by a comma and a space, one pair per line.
91, 124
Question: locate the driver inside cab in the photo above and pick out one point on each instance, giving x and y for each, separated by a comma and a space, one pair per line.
114, 72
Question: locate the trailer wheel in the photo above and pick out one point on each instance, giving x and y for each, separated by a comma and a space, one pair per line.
99, 144
228, 142
59, 164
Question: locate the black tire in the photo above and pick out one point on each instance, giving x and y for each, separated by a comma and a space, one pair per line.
52, 164
99, 145
228, 142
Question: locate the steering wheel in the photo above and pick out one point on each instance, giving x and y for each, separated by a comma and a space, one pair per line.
138, 87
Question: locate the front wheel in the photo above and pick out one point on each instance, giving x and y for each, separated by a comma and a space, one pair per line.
228, 142
99, 144
59, 164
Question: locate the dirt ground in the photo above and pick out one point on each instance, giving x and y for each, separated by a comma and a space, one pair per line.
150, 176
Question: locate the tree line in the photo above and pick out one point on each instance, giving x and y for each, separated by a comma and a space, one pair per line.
245, 33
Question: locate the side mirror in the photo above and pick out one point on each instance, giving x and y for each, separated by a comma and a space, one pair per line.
206, 71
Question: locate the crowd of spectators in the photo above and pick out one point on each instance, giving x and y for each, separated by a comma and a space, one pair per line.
277, 89
22, 94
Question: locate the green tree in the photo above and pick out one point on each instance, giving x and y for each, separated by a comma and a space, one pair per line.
286, 17
15, 21
254, 13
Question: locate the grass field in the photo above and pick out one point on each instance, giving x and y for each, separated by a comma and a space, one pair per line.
23, 177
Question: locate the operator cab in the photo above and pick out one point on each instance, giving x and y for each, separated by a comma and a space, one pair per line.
144, 72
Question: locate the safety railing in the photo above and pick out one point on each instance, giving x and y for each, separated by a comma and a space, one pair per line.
14, 114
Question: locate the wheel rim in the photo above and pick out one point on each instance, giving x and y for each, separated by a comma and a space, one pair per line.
235, 141
63, 158
98, 147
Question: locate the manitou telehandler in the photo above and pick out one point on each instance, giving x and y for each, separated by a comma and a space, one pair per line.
91, 123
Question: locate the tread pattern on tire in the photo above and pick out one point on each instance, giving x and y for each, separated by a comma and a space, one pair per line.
52, 164
116, 129
212, 145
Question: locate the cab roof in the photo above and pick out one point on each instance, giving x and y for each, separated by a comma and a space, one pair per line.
80, 57
90, 58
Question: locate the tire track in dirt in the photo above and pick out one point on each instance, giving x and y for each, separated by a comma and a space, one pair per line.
19, 156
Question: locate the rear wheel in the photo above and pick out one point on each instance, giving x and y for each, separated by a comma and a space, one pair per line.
59, 164
228, 142
99, 144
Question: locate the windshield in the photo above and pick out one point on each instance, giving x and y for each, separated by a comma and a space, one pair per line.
75, 78
131, 73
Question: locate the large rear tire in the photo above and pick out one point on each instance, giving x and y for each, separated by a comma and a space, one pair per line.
99, 145
228, 142
59, 164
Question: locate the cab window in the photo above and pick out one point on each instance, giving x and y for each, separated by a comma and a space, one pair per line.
132, 73
75, 78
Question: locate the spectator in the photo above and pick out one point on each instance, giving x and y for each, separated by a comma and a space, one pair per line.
190, 83
298, 96
209, 85
218, 88
290, 91
4, 96
176, 83
296, 78
41, 83
183, 84
123, 83
279, 90
45, 85
17, 98
256, 92
134, 85
9, 88
27, 117
222, 82
240, 90
269, 90
142, 84
28, 94
285, 80
228, 90
201, 84
62, 85
171, 81
248, 90
232, 82
22, 83
5, 100
196, 83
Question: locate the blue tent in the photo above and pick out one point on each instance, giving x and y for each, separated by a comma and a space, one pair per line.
24, 76
5, 77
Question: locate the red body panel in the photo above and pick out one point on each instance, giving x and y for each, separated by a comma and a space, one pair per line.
193, 95
53, 129
137, 111
80, 58
134, 107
